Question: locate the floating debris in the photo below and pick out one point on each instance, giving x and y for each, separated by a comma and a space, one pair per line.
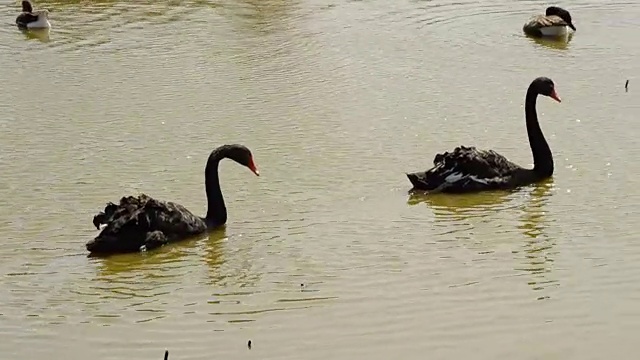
166, 355
249, 344
626, 86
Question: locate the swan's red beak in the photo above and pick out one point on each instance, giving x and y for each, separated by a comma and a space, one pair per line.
554, 95
253, 168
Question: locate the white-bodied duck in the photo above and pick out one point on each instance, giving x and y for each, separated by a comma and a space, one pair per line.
30, 19
553, 23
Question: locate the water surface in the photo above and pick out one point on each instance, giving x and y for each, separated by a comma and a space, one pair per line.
325, 256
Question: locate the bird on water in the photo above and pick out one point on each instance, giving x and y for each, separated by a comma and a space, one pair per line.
467, 169
144, 223
29, 19
553, 23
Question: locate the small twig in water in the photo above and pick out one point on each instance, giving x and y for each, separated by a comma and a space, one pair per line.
249, 344
166, 355
626, 86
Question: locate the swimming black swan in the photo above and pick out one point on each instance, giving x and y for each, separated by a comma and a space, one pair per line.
142, 221
553, 23
468, 169
29, 19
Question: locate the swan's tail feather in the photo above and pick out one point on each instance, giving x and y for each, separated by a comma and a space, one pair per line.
105, 216
127, 204
129, 225
420, 181
434, 179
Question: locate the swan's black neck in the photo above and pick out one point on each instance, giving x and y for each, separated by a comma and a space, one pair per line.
216, 209
542, 158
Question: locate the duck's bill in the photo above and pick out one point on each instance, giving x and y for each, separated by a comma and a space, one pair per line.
554, 96
572, 27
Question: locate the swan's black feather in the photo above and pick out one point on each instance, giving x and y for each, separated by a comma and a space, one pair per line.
143, 221
465, 169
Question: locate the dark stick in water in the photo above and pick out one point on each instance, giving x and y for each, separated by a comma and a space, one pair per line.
166, 355
626, 86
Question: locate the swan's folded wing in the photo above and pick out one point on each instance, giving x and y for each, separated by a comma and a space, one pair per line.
173, 218
482, 164
136, 217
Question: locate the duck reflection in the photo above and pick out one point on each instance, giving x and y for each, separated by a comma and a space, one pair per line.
559, 43
41, 35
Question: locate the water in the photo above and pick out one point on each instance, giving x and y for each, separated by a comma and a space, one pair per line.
325, 255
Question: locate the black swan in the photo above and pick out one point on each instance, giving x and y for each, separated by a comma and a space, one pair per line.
468, 169
553, 23
29, 19
145, 223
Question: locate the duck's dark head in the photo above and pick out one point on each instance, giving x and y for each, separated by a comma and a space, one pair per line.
545, 86
236, 152
561, 13
26, 6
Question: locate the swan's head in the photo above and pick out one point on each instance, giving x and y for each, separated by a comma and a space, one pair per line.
242, 155
26, 6
562, 14
545, 86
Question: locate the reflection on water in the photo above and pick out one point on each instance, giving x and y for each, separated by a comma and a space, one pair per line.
459, 203
37, 34
161, 259
538, 245
558, 43
458, 208
478, 218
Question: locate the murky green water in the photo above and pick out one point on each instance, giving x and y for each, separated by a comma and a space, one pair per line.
325, 256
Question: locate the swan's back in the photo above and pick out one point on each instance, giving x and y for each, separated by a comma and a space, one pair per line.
143, 221
465, 169
482, 163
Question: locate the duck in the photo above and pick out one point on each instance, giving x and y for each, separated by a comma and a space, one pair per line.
139, 223
29, 19
553, 23
468, 169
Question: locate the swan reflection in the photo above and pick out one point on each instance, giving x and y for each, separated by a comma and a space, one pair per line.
538, 244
